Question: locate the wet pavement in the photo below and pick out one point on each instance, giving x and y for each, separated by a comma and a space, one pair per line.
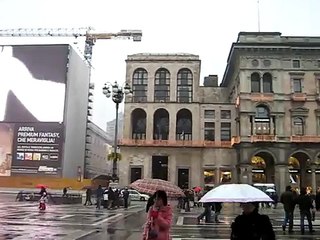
22, 220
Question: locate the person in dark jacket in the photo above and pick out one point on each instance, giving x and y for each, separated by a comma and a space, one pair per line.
288, 200
251, 225
88, 197
125, 194
305, 204
99, 196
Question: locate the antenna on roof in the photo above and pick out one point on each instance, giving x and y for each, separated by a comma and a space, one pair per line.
258, 5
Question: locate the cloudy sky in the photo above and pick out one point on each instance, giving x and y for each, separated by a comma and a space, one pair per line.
203, 27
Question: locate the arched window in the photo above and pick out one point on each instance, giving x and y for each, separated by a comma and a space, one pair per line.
138, 121
139, 85
262, 120
267, 83
161, 125
162, 85
255, 82
184, 85
184, 125
298, 126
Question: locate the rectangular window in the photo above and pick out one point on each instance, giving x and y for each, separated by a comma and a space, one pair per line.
161, 93
318, 64
296, 63
225, 131
225, 114
297, 86
209, 114
209, 134
139, 93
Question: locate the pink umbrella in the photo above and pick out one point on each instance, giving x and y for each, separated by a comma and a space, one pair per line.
197, 189
150, 186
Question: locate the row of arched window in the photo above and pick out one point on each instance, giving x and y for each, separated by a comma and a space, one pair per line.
162, 81
262, 122
161, 123
262, 83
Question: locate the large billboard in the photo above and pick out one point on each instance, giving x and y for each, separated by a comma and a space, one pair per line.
32, 101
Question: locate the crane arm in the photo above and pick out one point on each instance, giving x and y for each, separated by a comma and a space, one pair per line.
88, 32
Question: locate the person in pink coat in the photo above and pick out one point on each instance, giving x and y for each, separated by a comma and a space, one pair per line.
159, 219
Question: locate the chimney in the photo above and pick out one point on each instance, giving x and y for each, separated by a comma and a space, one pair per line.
211, 81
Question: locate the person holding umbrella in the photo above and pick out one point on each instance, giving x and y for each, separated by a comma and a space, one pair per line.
251, 225
159, 218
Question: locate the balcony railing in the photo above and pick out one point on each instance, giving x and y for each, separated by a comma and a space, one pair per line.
263, 138
262, 97
305, 139
174, 143
299, 97
253, 138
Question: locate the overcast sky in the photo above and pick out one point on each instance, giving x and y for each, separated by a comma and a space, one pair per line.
203, 27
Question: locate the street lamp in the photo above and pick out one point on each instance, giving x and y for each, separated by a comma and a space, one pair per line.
117, 93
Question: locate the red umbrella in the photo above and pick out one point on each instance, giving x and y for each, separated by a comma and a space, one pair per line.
150, 186
197, 189
41, 186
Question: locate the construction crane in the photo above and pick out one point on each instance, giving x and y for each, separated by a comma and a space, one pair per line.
88, 32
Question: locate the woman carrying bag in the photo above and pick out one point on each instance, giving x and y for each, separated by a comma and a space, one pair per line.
159, 219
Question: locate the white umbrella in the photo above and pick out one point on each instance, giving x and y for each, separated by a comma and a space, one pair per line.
235, 193
270, 190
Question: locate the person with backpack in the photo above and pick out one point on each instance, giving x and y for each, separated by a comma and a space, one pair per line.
251, 225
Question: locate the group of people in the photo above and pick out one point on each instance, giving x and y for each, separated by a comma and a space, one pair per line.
308, 204
110, 196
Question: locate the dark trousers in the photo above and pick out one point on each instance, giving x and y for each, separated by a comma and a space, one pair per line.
288, 218
305, 214
99, 202
206, 213
88, 201
125, 202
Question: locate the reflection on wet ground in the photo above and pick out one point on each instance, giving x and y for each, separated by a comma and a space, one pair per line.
23, 221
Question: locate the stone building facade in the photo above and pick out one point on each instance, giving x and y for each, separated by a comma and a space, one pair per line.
261, 125
175, 129
274, 83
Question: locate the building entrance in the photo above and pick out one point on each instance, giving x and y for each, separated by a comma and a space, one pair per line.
262, 168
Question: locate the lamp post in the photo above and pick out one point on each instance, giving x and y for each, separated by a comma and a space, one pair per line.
117, 93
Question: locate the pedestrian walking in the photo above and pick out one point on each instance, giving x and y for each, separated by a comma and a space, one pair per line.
217, 206
251, 225
64, 192
305, 204
88, 197
159, 219
288, 199
99, 194
111, 198
125, 194
206, 213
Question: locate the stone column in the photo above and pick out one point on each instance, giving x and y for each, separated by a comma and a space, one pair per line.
172, 169
313, 178
172, 124
245, 173
149, 122
281, 177
217, 176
